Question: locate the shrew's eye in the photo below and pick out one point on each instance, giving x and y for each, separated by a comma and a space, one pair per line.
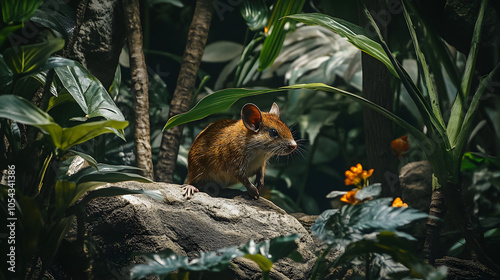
273, 132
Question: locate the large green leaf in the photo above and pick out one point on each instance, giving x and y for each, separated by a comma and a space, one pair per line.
267, 252
15, 11
56, 61
28, 84
320, 228
354, 222
255, 13
89, 93
165, 262
428, 80
20, 110
89, 190
223, 99
29, 58
64, 192
355, 34
213, 103
59, 100
273, 249
6, 75
430, 120
436, 49
400, 250
88, 158
62, 19
246, 57
459, 106
276, 30
115, 191
106, 173
370, 191
264, 254
83, 132
468, 122
474, 161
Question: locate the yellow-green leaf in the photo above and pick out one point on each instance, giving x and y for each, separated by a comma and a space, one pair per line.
28, 58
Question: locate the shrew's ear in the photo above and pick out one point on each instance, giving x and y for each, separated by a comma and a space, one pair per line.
275, 109
251, 116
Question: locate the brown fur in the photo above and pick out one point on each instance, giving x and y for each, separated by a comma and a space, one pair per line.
228, 152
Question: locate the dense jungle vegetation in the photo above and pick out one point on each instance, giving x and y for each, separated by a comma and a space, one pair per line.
118, 91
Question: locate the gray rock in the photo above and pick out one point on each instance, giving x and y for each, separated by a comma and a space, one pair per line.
416, 184
120, 226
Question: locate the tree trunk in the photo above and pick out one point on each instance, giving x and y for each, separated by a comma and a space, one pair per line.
195, 46
139, 84
378, 129
98, 38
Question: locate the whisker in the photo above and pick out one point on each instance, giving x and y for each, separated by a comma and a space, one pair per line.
301, 152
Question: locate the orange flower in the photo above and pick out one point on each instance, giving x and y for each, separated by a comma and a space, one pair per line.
399, 203
366, 174
350, 197
400, 146
357, 176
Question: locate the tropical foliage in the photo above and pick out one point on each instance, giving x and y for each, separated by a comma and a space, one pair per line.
42, 143
446, 136
56, 118
264, 254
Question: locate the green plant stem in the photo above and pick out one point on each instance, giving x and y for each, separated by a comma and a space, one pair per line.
203, 82
252, 62
319, 261
244, 58
43, 172
427, 80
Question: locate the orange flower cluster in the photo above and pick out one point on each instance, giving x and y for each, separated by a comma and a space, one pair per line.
357, 176
350, 197
399, 203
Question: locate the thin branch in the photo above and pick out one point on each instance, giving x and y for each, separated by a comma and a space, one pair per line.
139, 84
183, 94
